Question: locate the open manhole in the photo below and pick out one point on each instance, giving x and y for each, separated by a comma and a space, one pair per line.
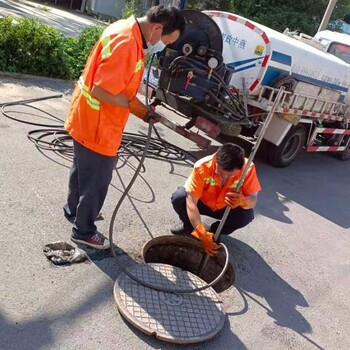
172, 317
186, 253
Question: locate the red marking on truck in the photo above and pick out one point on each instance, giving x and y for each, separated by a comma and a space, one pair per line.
254, 85
232, 17
265, 38
249, 25
266, 58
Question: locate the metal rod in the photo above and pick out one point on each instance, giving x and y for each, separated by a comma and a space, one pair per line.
205, 258
245, 99
327, 15
30, 100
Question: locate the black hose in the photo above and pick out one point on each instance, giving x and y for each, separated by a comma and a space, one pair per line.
55, 138
116, 209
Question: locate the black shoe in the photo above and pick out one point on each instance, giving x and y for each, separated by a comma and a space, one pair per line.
214, 226
181, 229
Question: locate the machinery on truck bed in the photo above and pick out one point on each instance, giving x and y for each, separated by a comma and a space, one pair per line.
224, 73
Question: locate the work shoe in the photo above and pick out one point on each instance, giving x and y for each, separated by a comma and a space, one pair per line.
97, 241
181, 229
214, 226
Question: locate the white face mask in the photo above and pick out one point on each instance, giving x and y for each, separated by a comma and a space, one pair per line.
157, 47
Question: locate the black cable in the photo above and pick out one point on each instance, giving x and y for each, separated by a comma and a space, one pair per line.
55, 138
116, 209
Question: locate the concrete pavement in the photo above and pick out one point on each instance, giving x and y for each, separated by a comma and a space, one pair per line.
69, 23
292, 263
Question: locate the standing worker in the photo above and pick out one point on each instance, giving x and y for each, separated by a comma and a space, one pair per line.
100, 107
210, 189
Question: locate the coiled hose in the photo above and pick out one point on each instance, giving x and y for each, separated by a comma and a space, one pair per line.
53, 137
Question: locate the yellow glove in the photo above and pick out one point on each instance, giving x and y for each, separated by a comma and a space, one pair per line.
206, 239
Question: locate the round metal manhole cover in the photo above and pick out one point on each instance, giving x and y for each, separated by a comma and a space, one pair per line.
173, 317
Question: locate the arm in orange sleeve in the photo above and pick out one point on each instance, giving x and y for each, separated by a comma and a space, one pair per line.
251, 184
195, 183
194, 187
102, 95
114, 72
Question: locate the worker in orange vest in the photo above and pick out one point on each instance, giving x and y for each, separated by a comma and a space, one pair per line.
102, 100
210, 189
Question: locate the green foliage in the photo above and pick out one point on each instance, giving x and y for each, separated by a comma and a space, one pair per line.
78, 49
32, 47
131, 8
223, 5
304, 16
29, 46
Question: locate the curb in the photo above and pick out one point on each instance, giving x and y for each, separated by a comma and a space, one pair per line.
36, 77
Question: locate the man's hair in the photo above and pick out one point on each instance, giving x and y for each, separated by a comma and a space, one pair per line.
230, 156
170, 17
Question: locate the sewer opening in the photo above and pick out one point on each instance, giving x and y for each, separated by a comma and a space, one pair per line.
186, 253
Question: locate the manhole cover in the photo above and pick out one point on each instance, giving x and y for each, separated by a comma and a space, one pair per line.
172, 317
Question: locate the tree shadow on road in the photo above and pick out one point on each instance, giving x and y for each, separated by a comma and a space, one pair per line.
257, 282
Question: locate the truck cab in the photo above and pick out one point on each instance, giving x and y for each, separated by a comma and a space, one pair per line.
337, 44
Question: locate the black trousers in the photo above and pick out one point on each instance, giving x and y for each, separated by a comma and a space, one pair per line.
90, 176
236, 219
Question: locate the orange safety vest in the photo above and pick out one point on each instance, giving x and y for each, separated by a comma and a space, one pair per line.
206, 185
116, 64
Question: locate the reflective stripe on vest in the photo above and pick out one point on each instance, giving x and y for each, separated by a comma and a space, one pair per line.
138, 65
92, 102
235, 183
210, 181
106, 48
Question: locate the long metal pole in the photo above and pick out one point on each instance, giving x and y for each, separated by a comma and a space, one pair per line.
327, 15
205, 258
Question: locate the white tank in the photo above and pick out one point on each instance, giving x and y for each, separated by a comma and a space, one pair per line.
260, 55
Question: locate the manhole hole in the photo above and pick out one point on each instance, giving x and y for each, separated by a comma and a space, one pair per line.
172, 317
187, 253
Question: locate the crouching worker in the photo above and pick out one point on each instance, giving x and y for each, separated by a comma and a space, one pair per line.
210, 189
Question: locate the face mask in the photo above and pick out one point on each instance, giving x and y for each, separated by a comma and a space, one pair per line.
157, 47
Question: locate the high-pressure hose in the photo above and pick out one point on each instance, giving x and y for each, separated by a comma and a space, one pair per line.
53, 137
116, 209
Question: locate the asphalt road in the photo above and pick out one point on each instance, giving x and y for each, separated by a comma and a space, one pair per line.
292, 263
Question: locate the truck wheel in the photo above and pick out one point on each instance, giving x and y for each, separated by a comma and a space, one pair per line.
345, 155
281, 156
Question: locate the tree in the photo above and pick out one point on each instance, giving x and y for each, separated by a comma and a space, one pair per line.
304, 16
223, 5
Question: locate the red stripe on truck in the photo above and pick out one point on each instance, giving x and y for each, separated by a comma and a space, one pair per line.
266, 58
265, 38
249, 25
253, 86
232, 18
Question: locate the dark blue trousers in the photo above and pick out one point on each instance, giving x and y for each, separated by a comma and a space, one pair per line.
90, 176
237, 218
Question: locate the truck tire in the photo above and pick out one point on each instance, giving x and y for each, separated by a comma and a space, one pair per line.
284, 154
345, 155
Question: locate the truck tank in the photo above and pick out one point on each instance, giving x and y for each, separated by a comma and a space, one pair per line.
261, 55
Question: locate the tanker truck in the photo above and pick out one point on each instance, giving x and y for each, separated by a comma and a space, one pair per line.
224, 74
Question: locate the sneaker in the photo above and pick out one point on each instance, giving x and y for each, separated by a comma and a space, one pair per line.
97, 241
214, 226
181, 229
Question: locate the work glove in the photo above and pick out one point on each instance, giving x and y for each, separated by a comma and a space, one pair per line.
206, 239
147, 114
234, 200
